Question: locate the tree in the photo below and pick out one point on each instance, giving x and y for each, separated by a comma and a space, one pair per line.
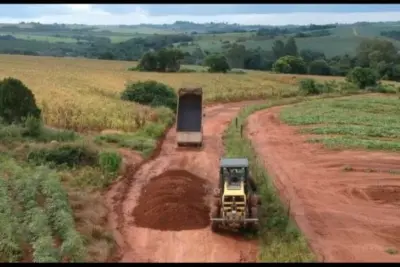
290, 64
291, 47
150, 93
363, 77
107, 56
17, 101
148, 62
217, 63
319, 67
236, 56
372, 51
199, 55
310, 55
165, 60
168, 60
278, 48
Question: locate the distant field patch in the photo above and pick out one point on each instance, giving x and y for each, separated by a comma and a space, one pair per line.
361, 122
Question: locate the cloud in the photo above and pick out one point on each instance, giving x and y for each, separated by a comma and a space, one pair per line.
79, 7
98, 15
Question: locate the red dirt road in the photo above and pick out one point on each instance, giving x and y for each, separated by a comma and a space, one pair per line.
137, 244
350, 216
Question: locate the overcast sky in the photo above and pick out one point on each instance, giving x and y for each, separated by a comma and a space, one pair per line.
273, 14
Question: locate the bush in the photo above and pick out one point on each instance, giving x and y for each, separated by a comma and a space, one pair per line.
65, 154
310, 87
384, 89
290, 64
151, 93
185, 70
164, 60
110, 162
362, 77
217, 63
17, 102
319, 67
33, 126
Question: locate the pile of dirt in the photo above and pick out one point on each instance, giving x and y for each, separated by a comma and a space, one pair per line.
174, 201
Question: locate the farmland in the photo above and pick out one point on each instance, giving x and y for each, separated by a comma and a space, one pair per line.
335, 163
83, 113
65, 88
373, 124
71, 40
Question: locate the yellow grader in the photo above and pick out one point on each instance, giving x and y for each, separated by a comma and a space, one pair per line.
235, 204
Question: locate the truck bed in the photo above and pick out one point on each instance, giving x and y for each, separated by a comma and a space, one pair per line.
190, 113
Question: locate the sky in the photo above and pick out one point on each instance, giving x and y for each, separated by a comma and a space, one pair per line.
246, 14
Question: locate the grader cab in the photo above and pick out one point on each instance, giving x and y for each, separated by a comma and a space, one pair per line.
235, 202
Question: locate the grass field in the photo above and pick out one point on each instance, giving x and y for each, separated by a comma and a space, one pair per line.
362, 122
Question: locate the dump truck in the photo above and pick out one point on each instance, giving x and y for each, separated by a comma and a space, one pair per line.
189, 127
235, 203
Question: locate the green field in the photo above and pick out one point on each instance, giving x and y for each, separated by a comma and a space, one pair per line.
344, 38
362, 122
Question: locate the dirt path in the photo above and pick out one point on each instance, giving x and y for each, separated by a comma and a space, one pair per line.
138, 244
346, 215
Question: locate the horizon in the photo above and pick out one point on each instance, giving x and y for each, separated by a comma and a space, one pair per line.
157, 14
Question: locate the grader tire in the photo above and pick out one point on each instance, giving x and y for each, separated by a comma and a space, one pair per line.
254, 215
216, 193
216, 202
255, 200
214, 224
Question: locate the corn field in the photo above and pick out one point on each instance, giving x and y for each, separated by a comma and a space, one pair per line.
83, 94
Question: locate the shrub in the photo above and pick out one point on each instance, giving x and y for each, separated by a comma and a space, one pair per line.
33, 126
17, 102
65, 154
151, 93
319, 67
110, 162
310, 87
384, 88
217, 63
185, 70
290, 64
362, 77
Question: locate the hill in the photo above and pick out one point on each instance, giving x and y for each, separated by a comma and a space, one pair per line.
92, 41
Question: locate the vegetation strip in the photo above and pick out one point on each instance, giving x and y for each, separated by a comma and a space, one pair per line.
35, 211
281, 240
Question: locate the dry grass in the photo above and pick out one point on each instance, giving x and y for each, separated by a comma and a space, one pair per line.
83, 94
91, 217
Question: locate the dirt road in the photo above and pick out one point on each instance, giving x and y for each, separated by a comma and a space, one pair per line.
347, 214
199, 244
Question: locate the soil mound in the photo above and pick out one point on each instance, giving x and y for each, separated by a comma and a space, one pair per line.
174, 201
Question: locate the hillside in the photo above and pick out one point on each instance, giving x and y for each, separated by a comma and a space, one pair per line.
81, 40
